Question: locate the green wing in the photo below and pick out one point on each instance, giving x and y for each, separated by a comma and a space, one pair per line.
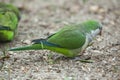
69, 37
10, 7
9, 17
8, 25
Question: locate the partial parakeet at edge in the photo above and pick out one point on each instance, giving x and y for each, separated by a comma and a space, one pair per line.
70, 41
9, 18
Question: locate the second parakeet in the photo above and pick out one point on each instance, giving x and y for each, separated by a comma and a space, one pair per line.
9, 18
70, 41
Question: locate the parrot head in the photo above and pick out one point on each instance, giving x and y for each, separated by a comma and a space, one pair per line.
94, 26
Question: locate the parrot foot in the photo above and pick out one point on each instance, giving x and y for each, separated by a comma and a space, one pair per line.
83, 59
59, 57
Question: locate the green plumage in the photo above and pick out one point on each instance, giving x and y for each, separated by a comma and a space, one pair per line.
69, 41
9, 7
9, 17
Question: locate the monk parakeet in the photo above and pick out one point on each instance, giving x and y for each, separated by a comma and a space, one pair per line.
10, 7
69, 41
9, 18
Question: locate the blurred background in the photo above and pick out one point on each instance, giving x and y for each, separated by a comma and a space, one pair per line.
40, 18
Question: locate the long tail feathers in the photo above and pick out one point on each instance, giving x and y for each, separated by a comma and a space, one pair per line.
29, 47
37, 45
43, 44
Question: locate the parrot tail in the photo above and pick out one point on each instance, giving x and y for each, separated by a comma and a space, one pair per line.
29, 47
38, 44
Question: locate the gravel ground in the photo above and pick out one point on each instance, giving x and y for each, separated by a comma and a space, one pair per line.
40, 18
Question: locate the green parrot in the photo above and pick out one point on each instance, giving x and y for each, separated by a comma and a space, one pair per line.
10, 7
9, 18
69, 41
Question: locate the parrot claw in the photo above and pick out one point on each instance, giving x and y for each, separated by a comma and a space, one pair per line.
77, 58
83, 59
59, 57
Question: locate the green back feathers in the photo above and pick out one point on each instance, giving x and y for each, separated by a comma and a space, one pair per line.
9, 7
9, 19
69, 39
8, 25
6, 35
9, 15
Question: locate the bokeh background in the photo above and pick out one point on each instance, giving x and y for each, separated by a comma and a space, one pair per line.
40, 18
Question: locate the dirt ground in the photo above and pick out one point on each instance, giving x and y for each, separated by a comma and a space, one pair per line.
40, 18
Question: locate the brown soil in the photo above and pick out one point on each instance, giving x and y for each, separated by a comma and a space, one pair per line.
40, 18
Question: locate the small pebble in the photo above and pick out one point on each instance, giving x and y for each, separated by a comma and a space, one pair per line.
26, 42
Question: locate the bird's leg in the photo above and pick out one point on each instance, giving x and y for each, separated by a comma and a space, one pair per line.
3, 50
82, 52
91, 43
83, 59
59, 57
3, 56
